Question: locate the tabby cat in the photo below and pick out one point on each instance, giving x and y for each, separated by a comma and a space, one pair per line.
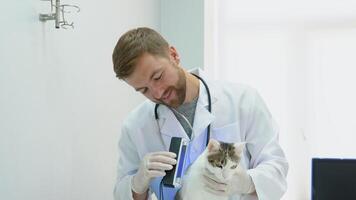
219, 158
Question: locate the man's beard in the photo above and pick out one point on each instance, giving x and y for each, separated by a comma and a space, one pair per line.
179, 89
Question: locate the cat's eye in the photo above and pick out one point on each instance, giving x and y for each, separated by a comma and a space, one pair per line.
233, 167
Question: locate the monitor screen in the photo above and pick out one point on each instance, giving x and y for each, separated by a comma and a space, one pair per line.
333, 179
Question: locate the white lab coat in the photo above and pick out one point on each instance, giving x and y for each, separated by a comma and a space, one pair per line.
238, 114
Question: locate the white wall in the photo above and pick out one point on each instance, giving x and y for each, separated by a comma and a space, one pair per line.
300, 57
61, 106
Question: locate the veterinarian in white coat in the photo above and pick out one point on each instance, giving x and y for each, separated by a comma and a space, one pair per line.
238, 115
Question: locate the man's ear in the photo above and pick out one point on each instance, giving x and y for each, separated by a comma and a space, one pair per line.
173, 54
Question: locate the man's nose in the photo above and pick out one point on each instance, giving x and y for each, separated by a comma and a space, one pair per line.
157, 92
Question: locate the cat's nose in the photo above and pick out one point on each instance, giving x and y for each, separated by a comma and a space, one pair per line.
225, 175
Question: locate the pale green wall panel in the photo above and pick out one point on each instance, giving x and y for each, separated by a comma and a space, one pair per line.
182, 24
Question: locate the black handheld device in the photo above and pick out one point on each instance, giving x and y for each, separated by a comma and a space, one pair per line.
173, 176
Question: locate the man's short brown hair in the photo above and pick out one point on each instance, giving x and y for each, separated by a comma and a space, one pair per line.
132, 45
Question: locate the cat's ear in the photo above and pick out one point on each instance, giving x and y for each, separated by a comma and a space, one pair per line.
239, 147
213, 145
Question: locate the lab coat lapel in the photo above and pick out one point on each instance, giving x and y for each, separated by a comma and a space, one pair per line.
202, 117
169, 126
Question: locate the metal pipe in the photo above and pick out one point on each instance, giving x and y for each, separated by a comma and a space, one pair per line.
58, 10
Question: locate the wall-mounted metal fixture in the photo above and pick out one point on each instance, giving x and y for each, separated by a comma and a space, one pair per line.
58, 14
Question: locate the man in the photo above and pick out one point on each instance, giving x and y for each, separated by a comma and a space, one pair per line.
145, 61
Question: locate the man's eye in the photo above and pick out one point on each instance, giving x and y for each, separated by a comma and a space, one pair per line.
233, 167
159, 77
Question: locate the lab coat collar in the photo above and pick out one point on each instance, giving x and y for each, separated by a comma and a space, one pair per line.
203, 95
170, 126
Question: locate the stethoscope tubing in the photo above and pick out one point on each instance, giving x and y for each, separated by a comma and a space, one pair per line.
209, 106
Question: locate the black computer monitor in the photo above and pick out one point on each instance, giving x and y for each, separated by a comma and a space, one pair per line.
333, 179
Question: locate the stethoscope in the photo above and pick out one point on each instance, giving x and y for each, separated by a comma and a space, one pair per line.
209, 106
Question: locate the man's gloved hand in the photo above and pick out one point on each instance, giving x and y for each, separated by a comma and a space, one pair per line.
239, 183
153, 165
